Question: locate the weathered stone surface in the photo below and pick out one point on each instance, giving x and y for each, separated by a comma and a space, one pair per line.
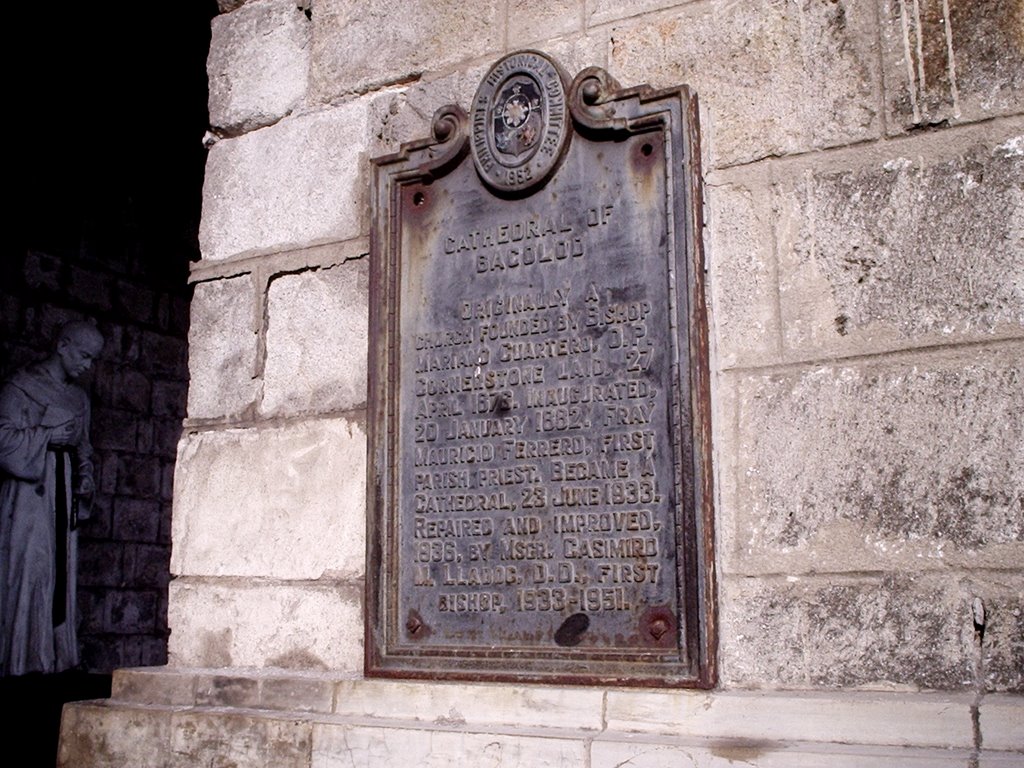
893, 719
317, 341
471, 704
773, 79
929, 249
227, 691
42, 271
376, 720
1001, 636
740, 249
113, 430
99, 736
603, 11
530, 22
266, 624
987, 759
153, 685
1000, 718
951, 60
881, 466
285, 502
138, 476
138, 301
169, 398
297, 694
728, 753
136, 519
222, 348
147, 565
101, 563
238, 741
347, 746
131, 611
91, 288
297, 183
258, 64
349, 38
833, 632
164, 355
398, 116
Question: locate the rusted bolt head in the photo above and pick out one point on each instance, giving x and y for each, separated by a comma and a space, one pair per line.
443, 129
591, 92
658, 628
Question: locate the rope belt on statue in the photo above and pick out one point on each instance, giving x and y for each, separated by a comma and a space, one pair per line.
63, 516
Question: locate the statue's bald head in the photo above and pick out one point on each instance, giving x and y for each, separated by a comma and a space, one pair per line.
78, 345
83, 334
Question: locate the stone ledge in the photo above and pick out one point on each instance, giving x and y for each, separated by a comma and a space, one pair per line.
1002, 723
189, 715
877, 718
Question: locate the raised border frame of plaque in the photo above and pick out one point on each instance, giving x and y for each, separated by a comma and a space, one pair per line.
539, 481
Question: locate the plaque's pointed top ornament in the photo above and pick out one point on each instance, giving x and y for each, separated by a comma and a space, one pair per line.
520, 122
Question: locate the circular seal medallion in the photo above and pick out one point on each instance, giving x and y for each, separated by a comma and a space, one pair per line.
520, 121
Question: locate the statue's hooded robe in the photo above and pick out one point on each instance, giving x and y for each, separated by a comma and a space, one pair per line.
38, 547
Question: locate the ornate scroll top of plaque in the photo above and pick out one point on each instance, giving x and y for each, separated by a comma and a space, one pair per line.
540, 503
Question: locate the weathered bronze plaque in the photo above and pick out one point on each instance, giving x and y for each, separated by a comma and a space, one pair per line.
540, 453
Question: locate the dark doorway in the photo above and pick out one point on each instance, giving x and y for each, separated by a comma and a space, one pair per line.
110, 108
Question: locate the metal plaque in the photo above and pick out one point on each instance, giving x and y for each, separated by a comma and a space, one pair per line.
540, 487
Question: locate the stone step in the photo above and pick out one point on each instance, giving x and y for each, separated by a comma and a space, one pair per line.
175, 718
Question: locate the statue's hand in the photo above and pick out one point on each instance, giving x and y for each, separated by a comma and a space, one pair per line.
63, 434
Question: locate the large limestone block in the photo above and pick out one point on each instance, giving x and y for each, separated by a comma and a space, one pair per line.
921, 245
1000, 719
999, 631
238, 740
951, 60
222, 347
258, 65
98, 736
246, 623
988, 759
349, 745
472, 705
530, 22
879, 719
297, 183
843, 632
285, 502
729, 753
317, 340
358, 45
741, 256
774, 78
604, 11
401, 115
911, 464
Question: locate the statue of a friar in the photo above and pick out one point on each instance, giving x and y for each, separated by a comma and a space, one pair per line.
46, 482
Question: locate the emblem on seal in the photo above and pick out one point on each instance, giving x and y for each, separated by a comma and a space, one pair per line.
520, 121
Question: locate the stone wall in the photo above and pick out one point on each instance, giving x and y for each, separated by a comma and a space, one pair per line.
863, 165
863, 170
138, 391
